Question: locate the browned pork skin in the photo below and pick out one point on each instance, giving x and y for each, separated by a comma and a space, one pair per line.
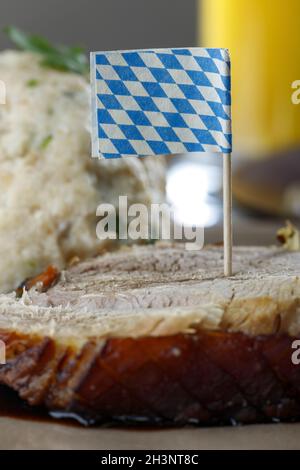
205, 378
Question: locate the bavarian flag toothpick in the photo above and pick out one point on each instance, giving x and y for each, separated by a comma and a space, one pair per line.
164, 101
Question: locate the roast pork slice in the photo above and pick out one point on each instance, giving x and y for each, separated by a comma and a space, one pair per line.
157, 334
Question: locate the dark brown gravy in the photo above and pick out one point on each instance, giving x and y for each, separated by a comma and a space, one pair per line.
11, 406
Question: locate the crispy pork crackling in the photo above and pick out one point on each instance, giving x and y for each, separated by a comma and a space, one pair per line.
156, 334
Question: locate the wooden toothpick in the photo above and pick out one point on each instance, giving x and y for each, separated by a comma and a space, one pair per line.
227, 214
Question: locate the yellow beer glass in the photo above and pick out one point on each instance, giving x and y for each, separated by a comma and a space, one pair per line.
263, 37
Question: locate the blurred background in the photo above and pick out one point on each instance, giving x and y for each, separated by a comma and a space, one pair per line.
262, 36
105, 24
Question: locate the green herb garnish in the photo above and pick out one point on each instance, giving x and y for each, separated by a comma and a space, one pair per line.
46, 141
32, 82
59, 57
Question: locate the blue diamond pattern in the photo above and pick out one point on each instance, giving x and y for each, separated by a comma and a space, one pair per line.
155, 102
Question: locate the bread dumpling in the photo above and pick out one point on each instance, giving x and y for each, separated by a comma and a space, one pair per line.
50, 185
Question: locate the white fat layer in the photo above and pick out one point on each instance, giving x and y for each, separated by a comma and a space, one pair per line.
163, 290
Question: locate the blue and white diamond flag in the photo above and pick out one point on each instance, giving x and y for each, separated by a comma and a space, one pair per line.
160, 101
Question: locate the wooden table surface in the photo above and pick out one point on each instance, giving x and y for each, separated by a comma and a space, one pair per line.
18, 434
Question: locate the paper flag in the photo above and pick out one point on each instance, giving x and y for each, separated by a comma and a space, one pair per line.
161, 101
